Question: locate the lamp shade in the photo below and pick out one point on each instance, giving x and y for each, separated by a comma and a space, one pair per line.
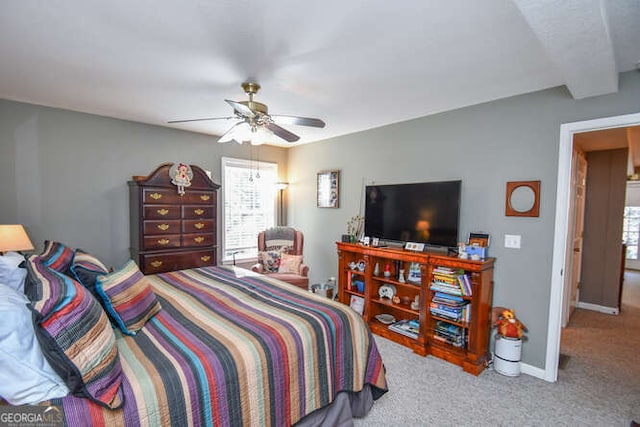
281, 185
13, 237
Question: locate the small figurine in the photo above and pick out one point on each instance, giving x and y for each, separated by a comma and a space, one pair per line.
387, 270
401, 276
415, 305
376, 270
181, 176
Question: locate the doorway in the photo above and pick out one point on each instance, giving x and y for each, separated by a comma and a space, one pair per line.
561, 232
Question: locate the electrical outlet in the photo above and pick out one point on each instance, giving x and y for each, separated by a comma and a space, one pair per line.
512, 241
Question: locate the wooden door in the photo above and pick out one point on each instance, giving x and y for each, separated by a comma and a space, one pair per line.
573, 265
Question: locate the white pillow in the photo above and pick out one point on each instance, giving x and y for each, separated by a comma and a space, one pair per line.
26, 377
10, 274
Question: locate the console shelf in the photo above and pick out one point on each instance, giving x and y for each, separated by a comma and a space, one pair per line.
461, 337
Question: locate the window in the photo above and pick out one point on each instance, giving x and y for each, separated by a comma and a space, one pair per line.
630, 230
249, 205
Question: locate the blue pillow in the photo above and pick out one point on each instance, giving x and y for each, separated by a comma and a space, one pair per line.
10, 272
26, 377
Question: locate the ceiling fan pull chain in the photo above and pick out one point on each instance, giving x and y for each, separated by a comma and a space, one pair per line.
258, 172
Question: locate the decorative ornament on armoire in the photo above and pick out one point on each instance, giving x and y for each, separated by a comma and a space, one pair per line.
376, 270
181, 176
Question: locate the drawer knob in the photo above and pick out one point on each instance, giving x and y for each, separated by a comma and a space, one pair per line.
163, 227
163, 241
156, 264
205, 197
198, 239
199, 225
205, 258
163, 212
155, 196
198, 211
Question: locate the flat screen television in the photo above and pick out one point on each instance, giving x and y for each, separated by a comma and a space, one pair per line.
425, 212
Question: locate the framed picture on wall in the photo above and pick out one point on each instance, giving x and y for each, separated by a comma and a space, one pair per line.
329, 189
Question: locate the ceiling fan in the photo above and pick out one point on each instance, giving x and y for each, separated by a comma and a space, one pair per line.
255, 121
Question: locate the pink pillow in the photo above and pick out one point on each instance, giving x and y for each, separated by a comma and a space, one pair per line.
290, 263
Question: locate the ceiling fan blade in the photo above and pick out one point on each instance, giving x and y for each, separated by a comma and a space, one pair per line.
241, 109
282, 132
298, 121
202, 119
229, 135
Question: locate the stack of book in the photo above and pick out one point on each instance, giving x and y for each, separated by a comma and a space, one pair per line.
409, 328
450, 334
452, 281
445, 279
450, 307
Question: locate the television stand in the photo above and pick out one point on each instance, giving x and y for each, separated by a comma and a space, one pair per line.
390, 286
391, 244
441, 250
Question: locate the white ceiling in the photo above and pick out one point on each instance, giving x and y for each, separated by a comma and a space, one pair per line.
355, 64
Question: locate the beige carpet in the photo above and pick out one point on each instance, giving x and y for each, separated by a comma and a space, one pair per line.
599, 386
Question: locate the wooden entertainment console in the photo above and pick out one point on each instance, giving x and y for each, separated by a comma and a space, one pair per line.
451, 318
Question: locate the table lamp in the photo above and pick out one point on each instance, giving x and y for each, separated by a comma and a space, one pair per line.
13, 237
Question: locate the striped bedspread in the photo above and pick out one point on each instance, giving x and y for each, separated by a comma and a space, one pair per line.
232, 348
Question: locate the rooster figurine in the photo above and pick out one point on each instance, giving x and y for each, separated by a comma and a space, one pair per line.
509, 326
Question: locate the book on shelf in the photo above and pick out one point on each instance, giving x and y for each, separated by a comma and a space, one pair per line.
465, 284
450, 307
450, 334
409, 328
444, 287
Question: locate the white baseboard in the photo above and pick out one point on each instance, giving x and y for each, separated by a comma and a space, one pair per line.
533, 371
599, 308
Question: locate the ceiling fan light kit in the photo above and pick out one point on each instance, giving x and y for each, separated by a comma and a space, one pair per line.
256, 125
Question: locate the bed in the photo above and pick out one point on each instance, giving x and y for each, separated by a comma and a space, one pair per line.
231, 347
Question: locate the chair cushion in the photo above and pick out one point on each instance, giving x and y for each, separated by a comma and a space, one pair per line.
290, 263
270, 261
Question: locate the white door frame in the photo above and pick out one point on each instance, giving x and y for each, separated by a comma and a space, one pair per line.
561, 228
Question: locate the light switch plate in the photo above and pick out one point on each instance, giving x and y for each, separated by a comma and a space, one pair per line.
512, 241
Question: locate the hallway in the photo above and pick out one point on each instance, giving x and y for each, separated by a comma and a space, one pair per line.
604, 348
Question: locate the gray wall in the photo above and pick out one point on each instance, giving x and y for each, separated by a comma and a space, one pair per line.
64, 174
484, 145
603, 217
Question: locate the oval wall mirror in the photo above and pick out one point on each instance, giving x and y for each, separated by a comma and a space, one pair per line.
523, 198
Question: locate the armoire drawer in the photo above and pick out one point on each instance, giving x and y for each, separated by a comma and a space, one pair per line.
197, 225
170, 261
164, 241
198, 239
161, 196
150, 228
197, 212
161, 212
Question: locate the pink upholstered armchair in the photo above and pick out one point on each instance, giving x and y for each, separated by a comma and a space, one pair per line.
280, 256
